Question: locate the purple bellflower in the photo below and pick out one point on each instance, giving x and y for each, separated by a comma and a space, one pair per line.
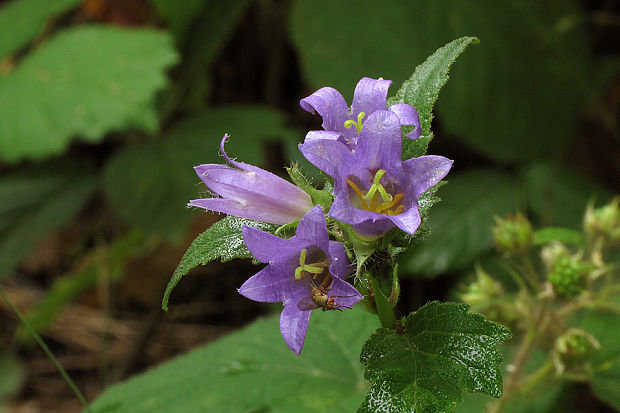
305, 272
338, 121
375, 190
251, 192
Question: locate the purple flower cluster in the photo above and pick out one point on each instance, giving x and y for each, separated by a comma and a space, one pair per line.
375, 191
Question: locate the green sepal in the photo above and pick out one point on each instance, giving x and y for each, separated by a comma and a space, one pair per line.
320, 197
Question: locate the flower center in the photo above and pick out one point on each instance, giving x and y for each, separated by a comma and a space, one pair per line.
358, 124
377, 198
315, 268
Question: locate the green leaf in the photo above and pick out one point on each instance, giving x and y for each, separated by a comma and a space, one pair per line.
222, 240
37, 200
564, 235
253, 371
149, 185
443, 349
421, 91
21, 20
461, 224
85, 82
559, 196
605, 362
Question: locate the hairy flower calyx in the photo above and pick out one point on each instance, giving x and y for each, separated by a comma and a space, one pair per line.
370, 200
313, 268
358, 124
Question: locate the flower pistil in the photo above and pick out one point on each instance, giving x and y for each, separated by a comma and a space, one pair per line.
370, 201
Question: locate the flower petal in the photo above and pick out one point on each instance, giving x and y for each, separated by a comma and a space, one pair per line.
266, 247
408, 220
274, 214
344, 293
370, 95
294, 325
379, 145
339, 266
322, 134
426, 171
268, 285
330, 104
327, 155
313, 229
408, 116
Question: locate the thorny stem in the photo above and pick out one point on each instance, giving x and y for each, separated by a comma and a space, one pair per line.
511, 386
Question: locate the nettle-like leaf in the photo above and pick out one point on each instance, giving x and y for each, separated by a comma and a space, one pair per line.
421, 91
442, 350
222, 240
85, 81
253, 371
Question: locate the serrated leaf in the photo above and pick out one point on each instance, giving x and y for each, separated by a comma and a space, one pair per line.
149, 185
443, 349
21, 20
84, 82
421, 91
461, 224
222, 240
37, 200
253, 371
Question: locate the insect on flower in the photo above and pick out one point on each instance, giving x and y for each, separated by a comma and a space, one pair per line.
319, 296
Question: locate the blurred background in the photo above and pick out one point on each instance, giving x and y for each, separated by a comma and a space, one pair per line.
106, 105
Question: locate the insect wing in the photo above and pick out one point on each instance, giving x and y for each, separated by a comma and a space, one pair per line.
306, 304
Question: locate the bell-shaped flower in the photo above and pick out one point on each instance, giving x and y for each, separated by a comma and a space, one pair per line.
305, 272
251, 192
375, 190
340, 123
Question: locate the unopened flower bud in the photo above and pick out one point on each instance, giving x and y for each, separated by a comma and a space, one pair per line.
513, 235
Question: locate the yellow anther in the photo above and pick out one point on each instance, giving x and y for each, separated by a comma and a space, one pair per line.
387, 205
358, 124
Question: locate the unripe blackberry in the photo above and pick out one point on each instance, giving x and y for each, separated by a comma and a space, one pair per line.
568, 277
